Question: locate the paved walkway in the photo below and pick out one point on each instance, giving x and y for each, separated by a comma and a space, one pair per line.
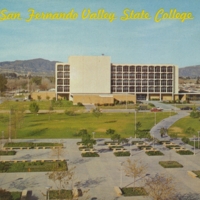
166, 123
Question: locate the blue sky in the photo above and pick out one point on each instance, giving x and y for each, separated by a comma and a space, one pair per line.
131, 41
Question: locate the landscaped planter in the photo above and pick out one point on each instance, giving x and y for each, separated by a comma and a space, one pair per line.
7, 153
185, 152
154, 153
90, 154
64, 194
197, 173
121, 153
134, 191
170, 164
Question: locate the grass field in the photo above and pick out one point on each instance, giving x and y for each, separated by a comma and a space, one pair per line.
181, 125
64, 126
43, 105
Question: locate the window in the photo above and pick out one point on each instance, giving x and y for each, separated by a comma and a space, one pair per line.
60, 75
157, 89
119, 75
125, 75
125, 68
144, 75
163, 82
151, 82
119, 82
125, 89
138, 82
138, 89
66, 74
131, 82
151, 89
144, 82
60, 88
157, 69
66, 81
163, 89
125, 82
113, 89
169, 89
132, 68
138, 69
119, 89
169, 69
113, 75
157, 82
131, 89
59, 81
169, 76
113, 68
113, 82
144, 89
163, 76
59, 68
66, 88
66, 68
157, 76
169, 82
144, 69
151, 75
138, 75
163, 69
151, 69
119, 68
131, 75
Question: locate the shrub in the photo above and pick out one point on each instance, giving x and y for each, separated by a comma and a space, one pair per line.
79, 104
185, 140
185, 152
170, 164
136, 191
127, 153
90, 154
154, 153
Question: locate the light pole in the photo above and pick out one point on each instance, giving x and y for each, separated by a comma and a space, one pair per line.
2, 138
153, 140
121, 174
198, 139
194, 144
135, 123
48, 188
93, 134
155, 117
130, 145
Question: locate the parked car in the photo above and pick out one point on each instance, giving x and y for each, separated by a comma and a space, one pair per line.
186, 108
156, 109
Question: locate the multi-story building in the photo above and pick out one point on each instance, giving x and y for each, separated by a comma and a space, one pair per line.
94, 79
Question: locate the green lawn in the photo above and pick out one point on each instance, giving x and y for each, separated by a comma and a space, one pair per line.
43, 105
64, 126
181, 125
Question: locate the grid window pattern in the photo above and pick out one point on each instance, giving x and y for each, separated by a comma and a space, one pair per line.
142, 78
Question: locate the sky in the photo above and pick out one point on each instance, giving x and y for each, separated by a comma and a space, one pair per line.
139, 41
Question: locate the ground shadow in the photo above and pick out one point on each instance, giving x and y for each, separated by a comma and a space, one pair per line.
104, 150
188, 196
92, 183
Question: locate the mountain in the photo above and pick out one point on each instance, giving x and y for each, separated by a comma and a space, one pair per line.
37, 66
190, 71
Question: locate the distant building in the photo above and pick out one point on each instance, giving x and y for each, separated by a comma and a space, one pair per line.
94, 79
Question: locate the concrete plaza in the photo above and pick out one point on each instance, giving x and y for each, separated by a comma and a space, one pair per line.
101, 174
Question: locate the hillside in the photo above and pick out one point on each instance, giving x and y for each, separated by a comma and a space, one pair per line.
191, 71
36, 66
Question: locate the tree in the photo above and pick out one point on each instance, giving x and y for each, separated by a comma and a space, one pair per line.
163, 131
138, 125
161, 187
38, 97
3, 82
115, 137
96, 112
110, 132
82, 132
87, 140
62, 178
135, 169
124, 140
34, 107
58, 152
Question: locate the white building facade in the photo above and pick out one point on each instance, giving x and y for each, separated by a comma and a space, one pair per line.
89, 79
